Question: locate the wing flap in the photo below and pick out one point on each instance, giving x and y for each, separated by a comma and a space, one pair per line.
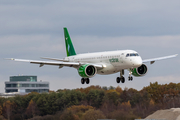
55, 59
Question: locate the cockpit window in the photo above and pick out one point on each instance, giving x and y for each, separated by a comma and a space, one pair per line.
131, 54
137, 54
127, 55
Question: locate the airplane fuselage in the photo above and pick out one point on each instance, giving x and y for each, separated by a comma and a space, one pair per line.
112, 61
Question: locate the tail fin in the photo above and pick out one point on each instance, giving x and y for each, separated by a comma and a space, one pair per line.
69, 46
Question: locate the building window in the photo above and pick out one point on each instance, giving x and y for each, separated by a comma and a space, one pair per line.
11, 90
11, 85
37, 90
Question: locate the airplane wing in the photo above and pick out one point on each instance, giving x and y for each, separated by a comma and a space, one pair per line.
60, 64
160, 58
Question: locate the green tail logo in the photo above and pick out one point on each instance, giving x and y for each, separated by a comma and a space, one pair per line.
69, 46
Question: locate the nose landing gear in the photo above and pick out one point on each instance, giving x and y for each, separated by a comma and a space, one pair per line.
130, 78
83, 80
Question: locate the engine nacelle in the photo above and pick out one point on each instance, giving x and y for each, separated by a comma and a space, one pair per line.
140, 71
87, 71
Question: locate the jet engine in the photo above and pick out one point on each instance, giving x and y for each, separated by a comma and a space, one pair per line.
140, 71
87, 71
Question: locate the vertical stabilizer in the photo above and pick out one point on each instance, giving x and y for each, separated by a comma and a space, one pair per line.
69, 46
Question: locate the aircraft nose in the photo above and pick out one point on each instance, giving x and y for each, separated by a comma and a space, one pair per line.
137, 62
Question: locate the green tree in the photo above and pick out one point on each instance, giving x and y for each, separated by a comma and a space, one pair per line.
51, 99
42, 104
20, 102
113, 96
155, 92
95, 97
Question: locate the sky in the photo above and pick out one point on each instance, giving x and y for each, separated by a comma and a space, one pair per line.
34, 29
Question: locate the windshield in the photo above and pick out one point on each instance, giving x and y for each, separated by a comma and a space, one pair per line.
131, 54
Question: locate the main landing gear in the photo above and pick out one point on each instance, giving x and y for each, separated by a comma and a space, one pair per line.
122, 79
85, 80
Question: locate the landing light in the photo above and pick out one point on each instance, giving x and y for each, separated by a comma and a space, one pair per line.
104, 66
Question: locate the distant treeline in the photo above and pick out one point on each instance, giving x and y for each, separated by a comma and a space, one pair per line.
93, 102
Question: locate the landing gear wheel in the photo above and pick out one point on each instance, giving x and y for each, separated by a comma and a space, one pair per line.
122, 79
118, 79
87, 80
82, 80
130, 78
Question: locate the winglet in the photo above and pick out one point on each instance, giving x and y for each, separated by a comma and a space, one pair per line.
69, 46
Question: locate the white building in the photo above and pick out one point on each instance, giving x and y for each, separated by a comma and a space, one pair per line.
25, 84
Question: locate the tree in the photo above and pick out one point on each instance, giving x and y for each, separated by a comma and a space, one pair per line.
126, 106
108, 106
20, 102
95, 97
79, 110
88, 89
123, 115
155, 92
32, 109
27, 98
68, 115
111, 88
1, 110
8, 108
42, 104
113, 96
51, 100
119, 89
92, 114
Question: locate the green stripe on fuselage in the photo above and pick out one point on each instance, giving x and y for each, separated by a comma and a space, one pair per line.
69, 46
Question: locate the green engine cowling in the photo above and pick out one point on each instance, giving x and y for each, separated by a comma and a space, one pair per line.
140, 71
87, 71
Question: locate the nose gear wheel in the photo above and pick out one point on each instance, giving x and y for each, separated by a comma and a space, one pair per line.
85, 80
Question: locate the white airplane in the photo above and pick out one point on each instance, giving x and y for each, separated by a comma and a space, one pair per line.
90, 64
